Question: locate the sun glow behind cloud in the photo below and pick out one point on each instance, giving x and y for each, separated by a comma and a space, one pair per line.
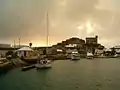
67, 18
89, 28
63, 2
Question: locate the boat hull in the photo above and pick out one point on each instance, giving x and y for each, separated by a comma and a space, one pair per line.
44, 66
90, 57
27, 68
75, 58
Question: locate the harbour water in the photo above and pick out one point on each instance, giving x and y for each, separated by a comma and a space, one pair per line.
97, 74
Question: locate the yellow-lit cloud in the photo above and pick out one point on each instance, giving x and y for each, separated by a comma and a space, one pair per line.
89, 28
25, 19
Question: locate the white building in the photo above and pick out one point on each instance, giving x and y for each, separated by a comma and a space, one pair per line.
71, 45
99, 51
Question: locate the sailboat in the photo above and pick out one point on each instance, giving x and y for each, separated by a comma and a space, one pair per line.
44, 62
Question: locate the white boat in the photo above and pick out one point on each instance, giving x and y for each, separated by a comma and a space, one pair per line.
117, 56
90, 56
43, 64
75, 56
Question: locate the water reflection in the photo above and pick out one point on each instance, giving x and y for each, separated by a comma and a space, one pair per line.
66, 75
3, 72
44, 73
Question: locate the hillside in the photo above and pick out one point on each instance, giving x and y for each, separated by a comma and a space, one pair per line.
72, 40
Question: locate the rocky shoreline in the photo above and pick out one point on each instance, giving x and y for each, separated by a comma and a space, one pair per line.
13, 63
17, 62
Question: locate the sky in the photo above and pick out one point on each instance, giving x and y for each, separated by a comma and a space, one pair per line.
25, 19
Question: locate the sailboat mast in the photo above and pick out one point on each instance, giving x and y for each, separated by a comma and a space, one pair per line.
19, 42
47, 29
14, 44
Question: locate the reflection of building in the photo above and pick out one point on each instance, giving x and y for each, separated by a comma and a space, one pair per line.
91, 44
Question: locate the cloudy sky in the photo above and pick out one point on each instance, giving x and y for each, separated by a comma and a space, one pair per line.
25, 19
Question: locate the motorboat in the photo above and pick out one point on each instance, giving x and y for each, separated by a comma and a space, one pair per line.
75, 56
117, 56
43, 64
90, 56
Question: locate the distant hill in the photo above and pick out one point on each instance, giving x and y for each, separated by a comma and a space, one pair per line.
73, 40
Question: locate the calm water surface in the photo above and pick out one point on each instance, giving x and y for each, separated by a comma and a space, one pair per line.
97, 74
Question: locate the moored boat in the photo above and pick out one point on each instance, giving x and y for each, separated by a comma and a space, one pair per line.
75, 56
90, 56
43, 64
28, 54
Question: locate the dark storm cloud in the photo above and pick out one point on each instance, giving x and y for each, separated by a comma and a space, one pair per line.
80, 9
109, 21
17, 18
26, 19
71, 14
